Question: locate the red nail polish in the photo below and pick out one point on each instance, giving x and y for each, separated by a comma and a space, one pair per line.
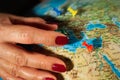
61, 40
49, 78
58, 68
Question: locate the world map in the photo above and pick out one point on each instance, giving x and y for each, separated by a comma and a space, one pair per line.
97, 23
93, 29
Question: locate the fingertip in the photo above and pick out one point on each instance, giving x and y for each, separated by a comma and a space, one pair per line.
59, 67
51, 38
51, 27
55, 26
48, 78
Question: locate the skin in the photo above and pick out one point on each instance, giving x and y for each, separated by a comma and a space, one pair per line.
15, 62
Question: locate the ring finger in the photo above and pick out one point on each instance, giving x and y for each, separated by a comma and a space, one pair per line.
23, 72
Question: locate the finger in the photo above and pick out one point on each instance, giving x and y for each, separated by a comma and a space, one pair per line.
25, 72
4, 19
21, 57
6, 76
33, 21
30, 35
27, 19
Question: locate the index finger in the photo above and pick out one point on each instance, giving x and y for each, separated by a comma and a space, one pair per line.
30, 35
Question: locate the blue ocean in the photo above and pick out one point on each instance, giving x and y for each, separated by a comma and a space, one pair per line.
44, 7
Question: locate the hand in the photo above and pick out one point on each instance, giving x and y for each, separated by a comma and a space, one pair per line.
17, 63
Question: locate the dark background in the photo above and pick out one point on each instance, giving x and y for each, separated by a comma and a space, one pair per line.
18, 7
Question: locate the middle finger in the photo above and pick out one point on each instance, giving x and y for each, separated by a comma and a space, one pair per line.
17, 55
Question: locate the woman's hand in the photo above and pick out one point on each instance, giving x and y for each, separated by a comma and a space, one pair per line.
18, 64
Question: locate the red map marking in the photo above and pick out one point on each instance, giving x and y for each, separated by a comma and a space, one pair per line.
89, 47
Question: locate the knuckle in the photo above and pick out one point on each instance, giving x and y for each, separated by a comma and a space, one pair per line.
44, 64
9, 78
20, 60
26, 37
14, 70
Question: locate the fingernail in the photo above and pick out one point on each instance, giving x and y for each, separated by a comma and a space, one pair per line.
49, 78
58, 68
61, 40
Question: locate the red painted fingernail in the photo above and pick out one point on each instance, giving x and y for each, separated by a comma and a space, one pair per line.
58, 68
61, 40
49, 78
